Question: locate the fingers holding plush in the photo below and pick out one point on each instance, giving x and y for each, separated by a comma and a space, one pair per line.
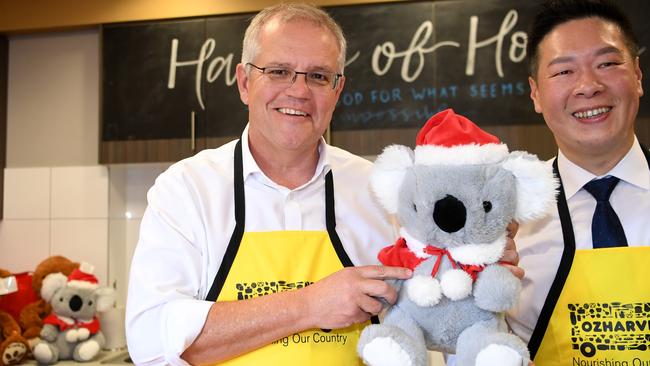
385, 272
510, 258
351, 295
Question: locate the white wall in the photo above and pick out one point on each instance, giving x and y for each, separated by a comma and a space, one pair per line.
58, 200
53, 99
56, 196
128, 186
55, 211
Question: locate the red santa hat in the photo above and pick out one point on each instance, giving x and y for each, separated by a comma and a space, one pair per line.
451, 139
82, 277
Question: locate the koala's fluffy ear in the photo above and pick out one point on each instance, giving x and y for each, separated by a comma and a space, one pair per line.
536, 185
388, 173
51, 283
105, 298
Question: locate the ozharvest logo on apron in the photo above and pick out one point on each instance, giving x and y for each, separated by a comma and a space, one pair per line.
261, 263
609, 326
602, 316
597, 312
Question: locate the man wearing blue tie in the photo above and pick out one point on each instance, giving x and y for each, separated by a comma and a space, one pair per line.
586, 293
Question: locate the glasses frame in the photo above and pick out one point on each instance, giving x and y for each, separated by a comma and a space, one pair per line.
337, 76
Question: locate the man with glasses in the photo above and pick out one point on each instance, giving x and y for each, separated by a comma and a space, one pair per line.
276, 210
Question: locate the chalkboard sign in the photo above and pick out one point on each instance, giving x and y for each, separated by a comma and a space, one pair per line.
157, 75
406, 60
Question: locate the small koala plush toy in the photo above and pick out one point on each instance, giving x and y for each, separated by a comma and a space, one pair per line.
72, 330
454, 196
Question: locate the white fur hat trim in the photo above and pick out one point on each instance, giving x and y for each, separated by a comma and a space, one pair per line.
51, 283
83, 285
460, 154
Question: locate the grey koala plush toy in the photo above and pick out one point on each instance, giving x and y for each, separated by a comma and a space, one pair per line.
454, 196
72, 330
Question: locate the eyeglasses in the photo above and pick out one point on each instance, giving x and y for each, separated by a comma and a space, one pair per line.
286, 76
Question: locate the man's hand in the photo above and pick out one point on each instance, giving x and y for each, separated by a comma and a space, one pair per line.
510, 258
351, 295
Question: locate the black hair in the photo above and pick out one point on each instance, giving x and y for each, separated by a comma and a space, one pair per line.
557, 12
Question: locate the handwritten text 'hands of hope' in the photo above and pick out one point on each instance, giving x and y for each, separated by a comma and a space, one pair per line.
382, 59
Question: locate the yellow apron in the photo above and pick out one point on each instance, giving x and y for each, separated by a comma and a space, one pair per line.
259, 263
597, 311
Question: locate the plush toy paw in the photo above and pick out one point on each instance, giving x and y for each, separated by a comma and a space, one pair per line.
43, 353
71, 336
32, 342
77, 335
384, 351
83, 334
456, 284
87, 350
496, 289
498, 355
14, 353
424, 290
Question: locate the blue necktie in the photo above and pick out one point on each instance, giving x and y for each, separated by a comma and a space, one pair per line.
606, 228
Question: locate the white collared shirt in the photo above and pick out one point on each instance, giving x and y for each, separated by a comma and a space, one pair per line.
540, 243
190, 218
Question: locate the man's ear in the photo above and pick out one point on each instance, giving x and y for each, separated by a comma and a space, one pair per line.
242, 82
534, 94
639, 76
339, 87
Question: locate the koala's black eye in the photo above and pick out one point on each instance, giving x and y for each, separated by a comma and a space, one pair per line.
61, 299
90, 303
487, 206
415, 208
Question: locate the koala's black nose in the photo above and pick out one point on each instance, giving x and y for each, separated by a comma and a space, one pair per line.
449, 214
75, 303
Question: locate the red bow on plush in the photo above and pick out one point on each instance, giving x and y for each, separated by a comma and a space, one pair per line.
400, 255
471, 269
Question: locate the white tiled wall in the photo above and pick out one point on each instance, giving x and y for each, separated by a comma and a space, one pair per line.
85, 213
55, 211
27, 193
79, 192
23, 243
127, 201
82, 240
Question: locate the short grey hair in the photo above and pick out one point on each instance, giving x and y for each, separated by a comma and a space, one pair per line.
288, 12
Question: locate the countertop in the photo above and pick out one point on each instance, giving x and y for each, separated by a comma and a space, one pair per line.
105, 358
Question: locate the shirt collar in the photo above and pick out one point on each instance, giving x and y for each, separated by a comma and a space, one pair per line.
633, 169
250, 166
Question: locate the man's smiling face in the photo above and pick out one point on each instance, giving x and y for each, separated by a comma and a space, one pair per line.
290, 117
588, 87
